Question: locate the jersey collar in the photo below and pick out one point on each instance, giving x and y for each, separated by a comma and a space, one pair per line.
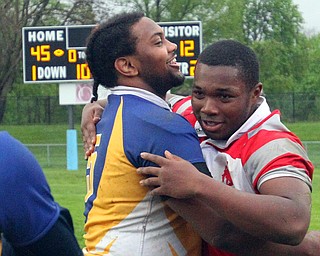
149, 96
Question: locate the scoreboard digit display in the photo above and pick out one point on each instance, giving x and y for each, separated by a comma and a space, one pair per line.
57, 54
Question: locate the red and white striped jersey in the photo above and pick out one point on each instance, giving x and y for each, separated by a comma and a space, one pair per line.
268, 150
261, 149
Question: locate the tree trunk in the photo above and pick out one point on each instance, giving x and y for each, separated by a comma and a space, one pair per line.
3, 101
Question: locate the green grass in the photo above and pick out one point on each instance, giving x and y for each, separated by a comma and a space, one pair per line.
308, 131
69, 188
40, 134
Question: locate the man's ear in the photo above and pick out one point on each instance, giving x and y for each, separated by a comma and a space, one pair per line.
125, 66
258, 90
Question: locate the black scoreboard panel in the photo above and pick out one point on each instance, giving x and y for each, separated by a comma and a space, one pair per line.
57, 54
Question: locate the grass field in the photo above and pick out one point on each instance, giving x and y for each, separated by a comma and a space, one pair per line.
68, 187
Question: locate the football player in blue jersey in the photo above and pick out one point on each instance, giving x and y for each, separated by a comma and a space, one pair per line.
130, 55
31, 222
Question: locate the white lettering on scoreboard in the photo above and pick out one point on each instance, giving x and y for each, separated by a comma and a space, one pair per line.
181, 31
46, 36
53, 73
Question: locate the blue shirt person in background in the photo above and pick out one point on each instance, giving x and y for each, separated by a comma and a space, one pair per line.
31, 222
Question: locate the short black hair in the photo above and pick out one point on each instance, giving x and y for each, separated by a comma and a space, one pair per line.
235, 54
107, 42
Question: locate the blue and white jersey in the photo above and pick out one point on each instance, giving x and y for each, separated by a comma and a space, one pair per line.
121, 216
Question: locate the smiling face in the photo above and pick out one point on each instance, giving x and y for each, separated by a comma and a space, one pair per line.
155, 57
221, 101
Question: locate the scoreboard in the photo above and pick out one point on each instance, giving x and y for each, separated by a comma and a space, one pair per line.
57, 53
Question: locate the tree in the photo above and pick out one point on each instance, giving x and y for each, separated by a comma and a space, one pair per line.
277, 20
16, 14
164, 10
220, 18
311, 81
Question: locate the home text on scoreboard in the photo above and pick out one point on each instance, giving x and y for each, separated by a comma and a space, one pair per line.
57, 54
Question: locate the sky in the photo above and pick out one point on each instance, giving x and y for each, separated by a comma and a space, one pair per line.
310, 10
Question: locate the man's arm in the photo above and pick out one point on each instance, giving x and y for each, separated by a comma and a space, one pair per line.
280, 215
223, 235
91, 115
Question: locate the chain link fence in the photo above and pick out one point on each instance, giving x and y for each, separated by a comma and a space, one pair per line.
296, 107
55, 155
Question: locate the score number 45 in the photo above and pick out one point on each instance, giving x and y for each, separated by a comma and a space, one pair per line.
41, 52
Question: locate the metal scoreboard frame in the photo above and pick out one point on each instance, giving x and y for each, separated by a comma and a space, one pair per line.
57, 53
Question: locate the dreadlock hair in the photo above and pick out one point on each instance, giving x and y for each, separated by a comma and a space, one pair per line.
234, 54
107, 42
95, 91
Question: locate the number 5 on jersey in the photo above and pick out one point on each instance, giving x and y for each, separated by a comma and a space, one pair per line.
90, 166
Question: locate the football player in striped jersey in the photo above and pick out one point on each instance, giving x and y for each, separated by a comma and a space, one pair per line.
233, 116
259, 200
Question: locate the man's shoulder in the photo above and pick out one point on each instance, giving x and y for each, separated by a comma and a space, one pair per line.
5, 136
180, 104
9, 146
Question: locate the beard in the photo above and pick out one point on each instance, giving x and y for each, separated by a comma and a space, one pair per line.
161, 83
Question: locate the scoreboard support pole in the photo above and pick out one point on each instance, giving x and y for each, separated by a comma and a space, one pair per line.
72, 145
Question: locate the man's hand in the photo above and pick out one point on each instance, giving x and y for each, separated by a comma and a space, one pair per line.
91, 115
311, 243
175, 177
